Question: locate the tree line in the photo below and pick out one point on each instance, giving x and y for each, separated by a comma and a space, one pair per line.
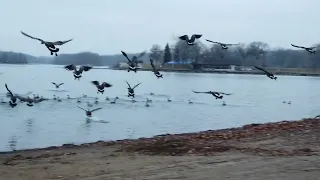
254, 53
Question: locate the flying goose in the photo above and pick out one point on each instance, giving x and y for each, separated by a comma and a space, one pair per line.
192, 39
270, 75
50, 45
309, 49
217, 95
77, 73
223, 45
133, 63
89, 112
101, 86
13, 98
131, 90
155, 71
57, 85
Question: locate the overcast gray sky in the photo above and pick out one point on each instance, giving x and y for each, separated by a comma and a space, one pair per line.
109, 26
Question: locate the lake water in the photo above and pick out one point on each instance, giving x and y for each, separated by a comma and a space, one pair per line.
256, 99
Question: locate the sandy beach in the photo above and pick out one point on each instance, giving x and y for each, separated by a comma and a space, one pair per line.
287, 150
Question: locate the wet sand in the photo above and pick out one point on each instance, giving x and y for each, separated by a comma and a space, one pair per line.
283, 150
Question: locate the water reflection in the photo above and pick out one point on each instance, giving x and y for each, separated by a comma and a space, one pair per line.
30, 125
12, 143
87, 126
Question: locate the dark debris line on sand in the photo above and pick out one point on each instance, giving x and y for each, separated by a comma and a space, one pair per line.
291, 138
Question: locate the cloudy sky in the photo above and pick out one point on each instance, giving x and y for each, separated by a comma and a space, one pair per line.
109, 26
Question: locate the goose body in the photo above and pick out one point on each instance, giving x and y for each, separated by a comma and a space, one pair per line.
57, 85
132, 63
101, 86
270, 75
155, 71
190, 41
51, 46
13, 98
217, 95
131, 90
309, 49
89, 112
77, 73
224, 46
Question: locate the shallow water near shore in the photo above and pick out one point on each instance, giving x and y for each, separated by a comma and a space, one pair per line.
255, 99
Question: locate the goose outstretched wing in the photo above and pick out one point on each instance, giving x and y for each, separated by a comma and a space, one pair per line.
261, 69
31, 36
184, 37
125, 55
59, 43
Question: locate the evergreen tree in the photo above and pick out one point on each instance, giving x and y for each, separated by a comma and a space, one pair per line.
167, 54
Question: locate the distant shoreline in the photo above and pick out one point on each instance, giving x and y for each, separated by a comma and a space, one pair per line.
228, 72
282, 71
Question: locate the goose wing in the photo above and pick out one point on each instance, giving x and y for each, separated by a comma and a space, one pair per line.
152, 65
202, 92
96, 83
60, 84
85, 68
136, 85
128, 84
298, 46
96, 109
195, 36
261, 69
32, 36
184, 37
59, 43
8, 89
225, 93
105, 84
54, 83
81, 108
231, 44
213, 41
70, 67
125, 55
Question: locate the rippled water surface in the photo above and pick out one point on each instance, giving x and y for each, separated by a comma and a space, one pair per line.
256, 99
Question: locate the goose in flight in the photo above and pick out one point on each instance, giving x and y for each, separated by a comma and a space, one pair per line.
50, 45
89, 112
133, 63
270, 75
101, 86
77, 73
217, 95
13, 98
192, 40
155, 71
223, 45
57, 85
309, 49
131, 90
